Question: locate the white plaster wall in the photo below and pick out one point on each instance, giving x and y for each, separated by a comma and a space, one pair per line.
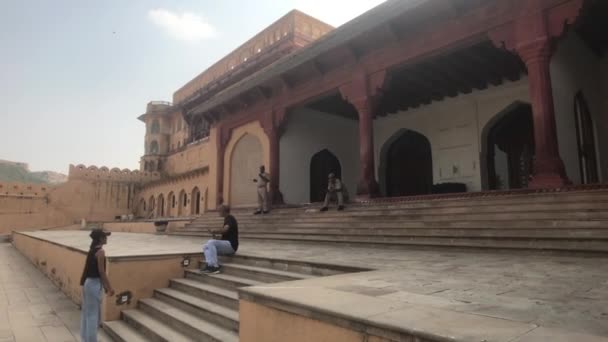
453, 127
308, 132
574, 68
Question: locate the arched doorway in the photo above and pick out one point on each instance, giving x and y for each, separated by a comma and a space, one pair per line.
322, 164
170, 204
161, 206
195, 208
509, 148
406, 165
182, 203
246, 159
142, 207
151, 207
585, 138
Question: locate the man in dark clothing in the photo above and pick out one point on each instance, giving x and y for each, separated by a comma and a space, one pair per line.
226, 245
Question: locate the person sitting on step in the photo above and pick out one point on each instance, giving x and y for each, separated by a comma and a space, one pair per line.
226, 245
334, 188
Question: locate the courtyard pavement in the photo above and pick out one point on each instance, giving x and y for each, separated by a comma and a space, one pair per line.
566, 292
32, 309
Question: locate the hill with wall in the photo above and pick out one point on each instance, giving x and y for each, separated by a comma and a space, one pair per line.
14, 172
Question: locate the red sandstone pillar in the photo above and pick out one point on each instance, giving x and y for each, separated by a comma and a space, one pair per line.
367, 187
275, 194
549, 169
272, 127
222, 141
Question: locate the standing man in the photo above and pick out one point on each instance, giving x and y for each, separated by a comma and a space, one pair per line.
227, 245
334, 187
262, 184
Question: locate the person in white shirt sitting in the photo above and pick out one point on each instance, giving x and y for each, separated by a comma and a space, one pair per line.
334, 188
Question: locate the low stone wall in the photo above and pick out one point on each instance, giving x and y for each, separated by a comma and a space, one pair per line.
138, 275
63, 265
263, 323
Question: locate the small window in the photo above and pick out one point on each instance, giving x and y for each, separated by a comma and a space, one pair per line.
154, 147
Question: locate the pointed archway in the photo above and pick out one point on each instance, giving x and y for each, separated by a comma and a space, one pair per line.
182, 203
170, 204
151, 207
508, 148
322, 164
247, 157
195, 208
161, 206
406, 165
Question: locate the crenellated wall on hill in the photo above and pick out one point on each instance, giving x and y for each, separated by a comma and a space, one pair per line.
91, 193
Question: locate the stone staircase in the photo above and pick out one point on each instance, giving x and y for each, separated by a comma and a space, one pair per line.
563, 220
201, 307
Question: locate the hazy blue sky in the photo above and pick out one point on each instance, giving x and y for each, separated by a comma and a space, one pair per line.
75, 74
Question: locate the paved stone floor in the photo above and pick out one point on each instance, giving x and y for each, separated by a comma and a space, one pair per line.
32, 309
557, 291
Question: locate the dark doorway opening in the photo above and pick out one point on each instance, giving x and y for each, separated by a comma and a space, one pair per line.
408, 165
322, 164
585, 138
510, 149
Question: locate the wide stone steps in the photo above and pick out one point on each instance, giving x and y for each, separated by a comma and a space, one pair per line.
390, 209
564, 244
544, 233
204, 307
430, 217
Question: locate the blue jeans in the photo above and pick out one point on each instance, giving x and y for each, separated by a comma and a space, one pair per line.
91, 309
213, 248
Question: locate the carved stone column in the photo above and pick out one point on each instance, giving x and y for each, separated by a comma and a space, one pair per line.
362, 92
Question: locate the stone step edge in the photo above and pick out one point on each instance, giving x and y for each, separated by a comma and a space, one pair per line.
265, 270
150, 323
198, 303
122, 331
226, 277
212, 330
313, 264
216, 290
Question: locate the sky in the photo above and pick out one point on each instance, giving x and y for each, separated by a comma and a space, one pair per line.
76, 74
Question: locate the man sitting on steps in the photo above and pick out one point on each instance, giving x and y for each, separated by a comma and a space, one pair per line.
227, 245
334, 187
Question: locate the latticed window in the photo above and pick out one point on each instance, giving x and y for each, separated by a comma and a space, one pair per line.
199, 129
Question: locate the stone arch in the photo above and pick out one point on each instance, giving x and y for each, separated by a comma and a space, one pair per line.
182, 203
142, 207
245, 161
406, 164
585, 139
322, 164
151, 207
252, 132
161, 206
517, 164
171, 202
195, 200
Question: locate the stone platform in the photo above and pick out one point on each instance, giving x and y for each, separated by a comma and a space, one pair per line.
477, 295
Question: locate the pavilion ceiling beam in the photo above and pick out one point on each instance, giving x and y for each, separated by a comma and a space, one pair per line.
317, 68
392, 31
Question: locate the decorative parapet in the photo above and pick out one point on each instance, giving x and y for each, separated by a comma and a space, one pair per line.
24, 189
294, 24
94, 173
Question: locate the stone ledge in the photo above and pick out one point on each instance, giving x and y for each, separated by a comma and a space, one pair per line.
399, 321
